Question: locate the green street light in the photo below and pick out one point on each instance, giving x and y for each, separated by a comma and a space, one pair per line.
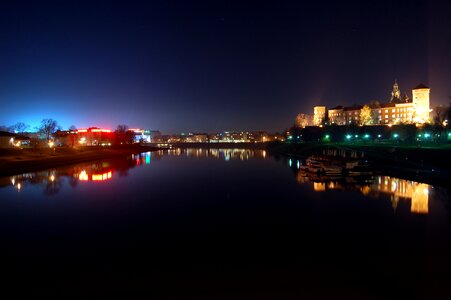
396, 135
366, 136
348, 136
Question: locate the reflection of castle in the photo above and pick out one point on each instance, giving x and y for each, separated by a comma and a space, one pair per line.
397, 189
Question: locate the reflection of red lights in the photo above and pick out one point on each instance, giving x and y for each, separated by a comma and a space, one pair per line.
101, 177
83, 176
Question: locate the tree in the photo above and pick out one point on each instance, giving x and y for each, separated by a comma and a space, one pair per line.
48, 127
72, 128
20, 127
121, 128
365, 115
441, 114
302, 120
123, 135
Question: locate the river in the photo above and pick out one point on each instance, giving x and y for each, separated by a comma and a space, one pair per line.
221, 223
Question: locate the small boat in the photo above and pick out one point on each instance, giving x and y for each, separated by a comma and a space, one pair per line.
361, 168
323, 164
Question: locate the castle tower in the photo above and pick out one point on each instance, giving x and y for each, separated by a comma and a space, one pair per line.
319, 115
396, 93
420, 99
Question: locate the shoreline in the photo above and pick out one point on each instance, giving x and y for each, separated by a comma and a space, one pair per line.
35, 160
427, 165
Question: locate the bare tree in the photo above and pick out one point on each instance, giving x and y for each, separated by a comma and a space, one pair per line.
123, 135
121, 128
20, 127
72, 128
48, 127
441, 114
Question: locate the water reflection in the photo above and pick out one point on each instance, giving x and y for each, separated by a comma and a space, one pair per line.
99, 171
373, 186
103, 171
223, 154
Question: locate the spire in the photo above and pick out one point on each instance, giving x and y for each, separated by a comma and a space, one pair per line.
396, 93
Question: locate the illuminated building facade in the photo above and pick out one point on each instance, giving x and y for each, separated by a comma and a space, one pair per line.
352, 114
141, 135
95, 137
337, 115
421, 104
396, 111
319, 115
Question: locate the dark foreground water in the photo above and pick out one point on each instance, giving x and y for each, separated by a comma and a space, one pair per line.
221, 224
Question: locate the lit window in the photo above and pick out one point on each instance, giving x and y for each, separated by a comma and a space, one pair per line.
393, 110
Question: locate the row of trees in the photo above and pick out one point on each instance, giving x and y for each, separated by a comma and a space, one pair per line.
47, 128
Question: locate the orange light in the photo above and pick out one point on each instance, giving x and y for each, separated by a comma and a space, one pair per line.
82, 130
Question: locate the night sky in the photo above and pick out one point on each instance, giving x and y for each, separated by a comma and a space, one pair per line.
181, 66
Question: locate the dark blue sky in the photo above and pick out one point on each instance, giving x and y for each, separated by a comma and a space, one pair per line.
184, 66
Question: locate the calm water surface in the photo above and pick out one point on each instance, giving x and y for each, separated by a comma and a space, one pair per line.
221, 224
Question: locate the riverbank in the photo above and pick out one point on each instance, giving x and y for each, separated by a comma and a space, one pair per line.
16, 161
425, 164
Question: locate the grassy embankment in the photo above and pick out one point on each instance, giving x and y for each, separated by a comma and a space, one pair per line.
15, 161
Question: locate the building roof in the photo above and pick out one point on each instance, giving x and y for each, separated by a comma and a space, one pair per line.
420, 86
337, 107
6, 133
389, 104
356, 107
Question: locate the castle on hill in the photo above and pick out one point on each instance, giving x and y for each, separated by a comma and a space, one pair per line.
396, 111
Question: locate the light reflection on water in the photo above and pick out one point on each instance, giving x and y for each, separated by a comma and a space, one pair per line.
196, 212
370, 186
